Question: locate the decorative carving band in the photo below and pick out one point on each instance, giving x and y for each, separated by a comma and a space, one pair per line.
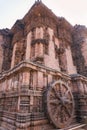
43, 41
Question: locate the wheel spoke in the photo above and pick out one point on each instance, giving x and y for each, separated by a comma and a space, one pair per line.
56, 93
52, 95
56, 113
61, 89
65, 116
53, 108
67, 111
61, 115
54, 101
66, 93
68, 101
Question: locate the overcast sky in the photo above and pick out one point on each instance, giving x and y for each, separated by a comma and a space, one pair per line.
75, 11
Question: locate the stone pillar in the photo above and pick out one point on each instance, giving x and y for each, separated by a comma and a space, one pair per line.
25, 78
49, 78
39, 33
28, 48
31, 103
80, 97
70, 66
45, 80
36, 49
1, 52
13, 55
83, 101
49, 59
35, 80
40, 81
18, 106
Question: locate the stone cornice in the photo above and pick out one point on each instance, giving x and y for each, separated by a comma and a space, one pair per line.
78, 77
27, 65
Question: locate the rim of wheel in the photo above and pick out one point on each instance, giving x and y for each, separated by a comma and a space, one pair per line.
60, 104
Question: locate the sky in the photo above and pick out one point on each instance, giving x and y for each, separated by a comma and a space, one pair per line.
75, 11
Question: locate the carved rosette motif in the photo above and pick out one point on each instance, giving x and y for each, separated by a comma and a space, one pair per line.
60, 104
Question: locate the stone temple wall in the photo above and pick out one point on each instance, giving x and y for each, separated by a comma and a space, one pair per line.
43, 64
79, 48
5, 49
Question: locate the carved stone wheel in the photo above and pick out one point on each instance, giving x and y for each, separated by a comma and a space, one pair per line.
60, 104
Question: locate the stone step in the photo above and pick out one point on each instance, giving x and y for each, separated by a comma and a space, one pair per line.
74, 127
78, 127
